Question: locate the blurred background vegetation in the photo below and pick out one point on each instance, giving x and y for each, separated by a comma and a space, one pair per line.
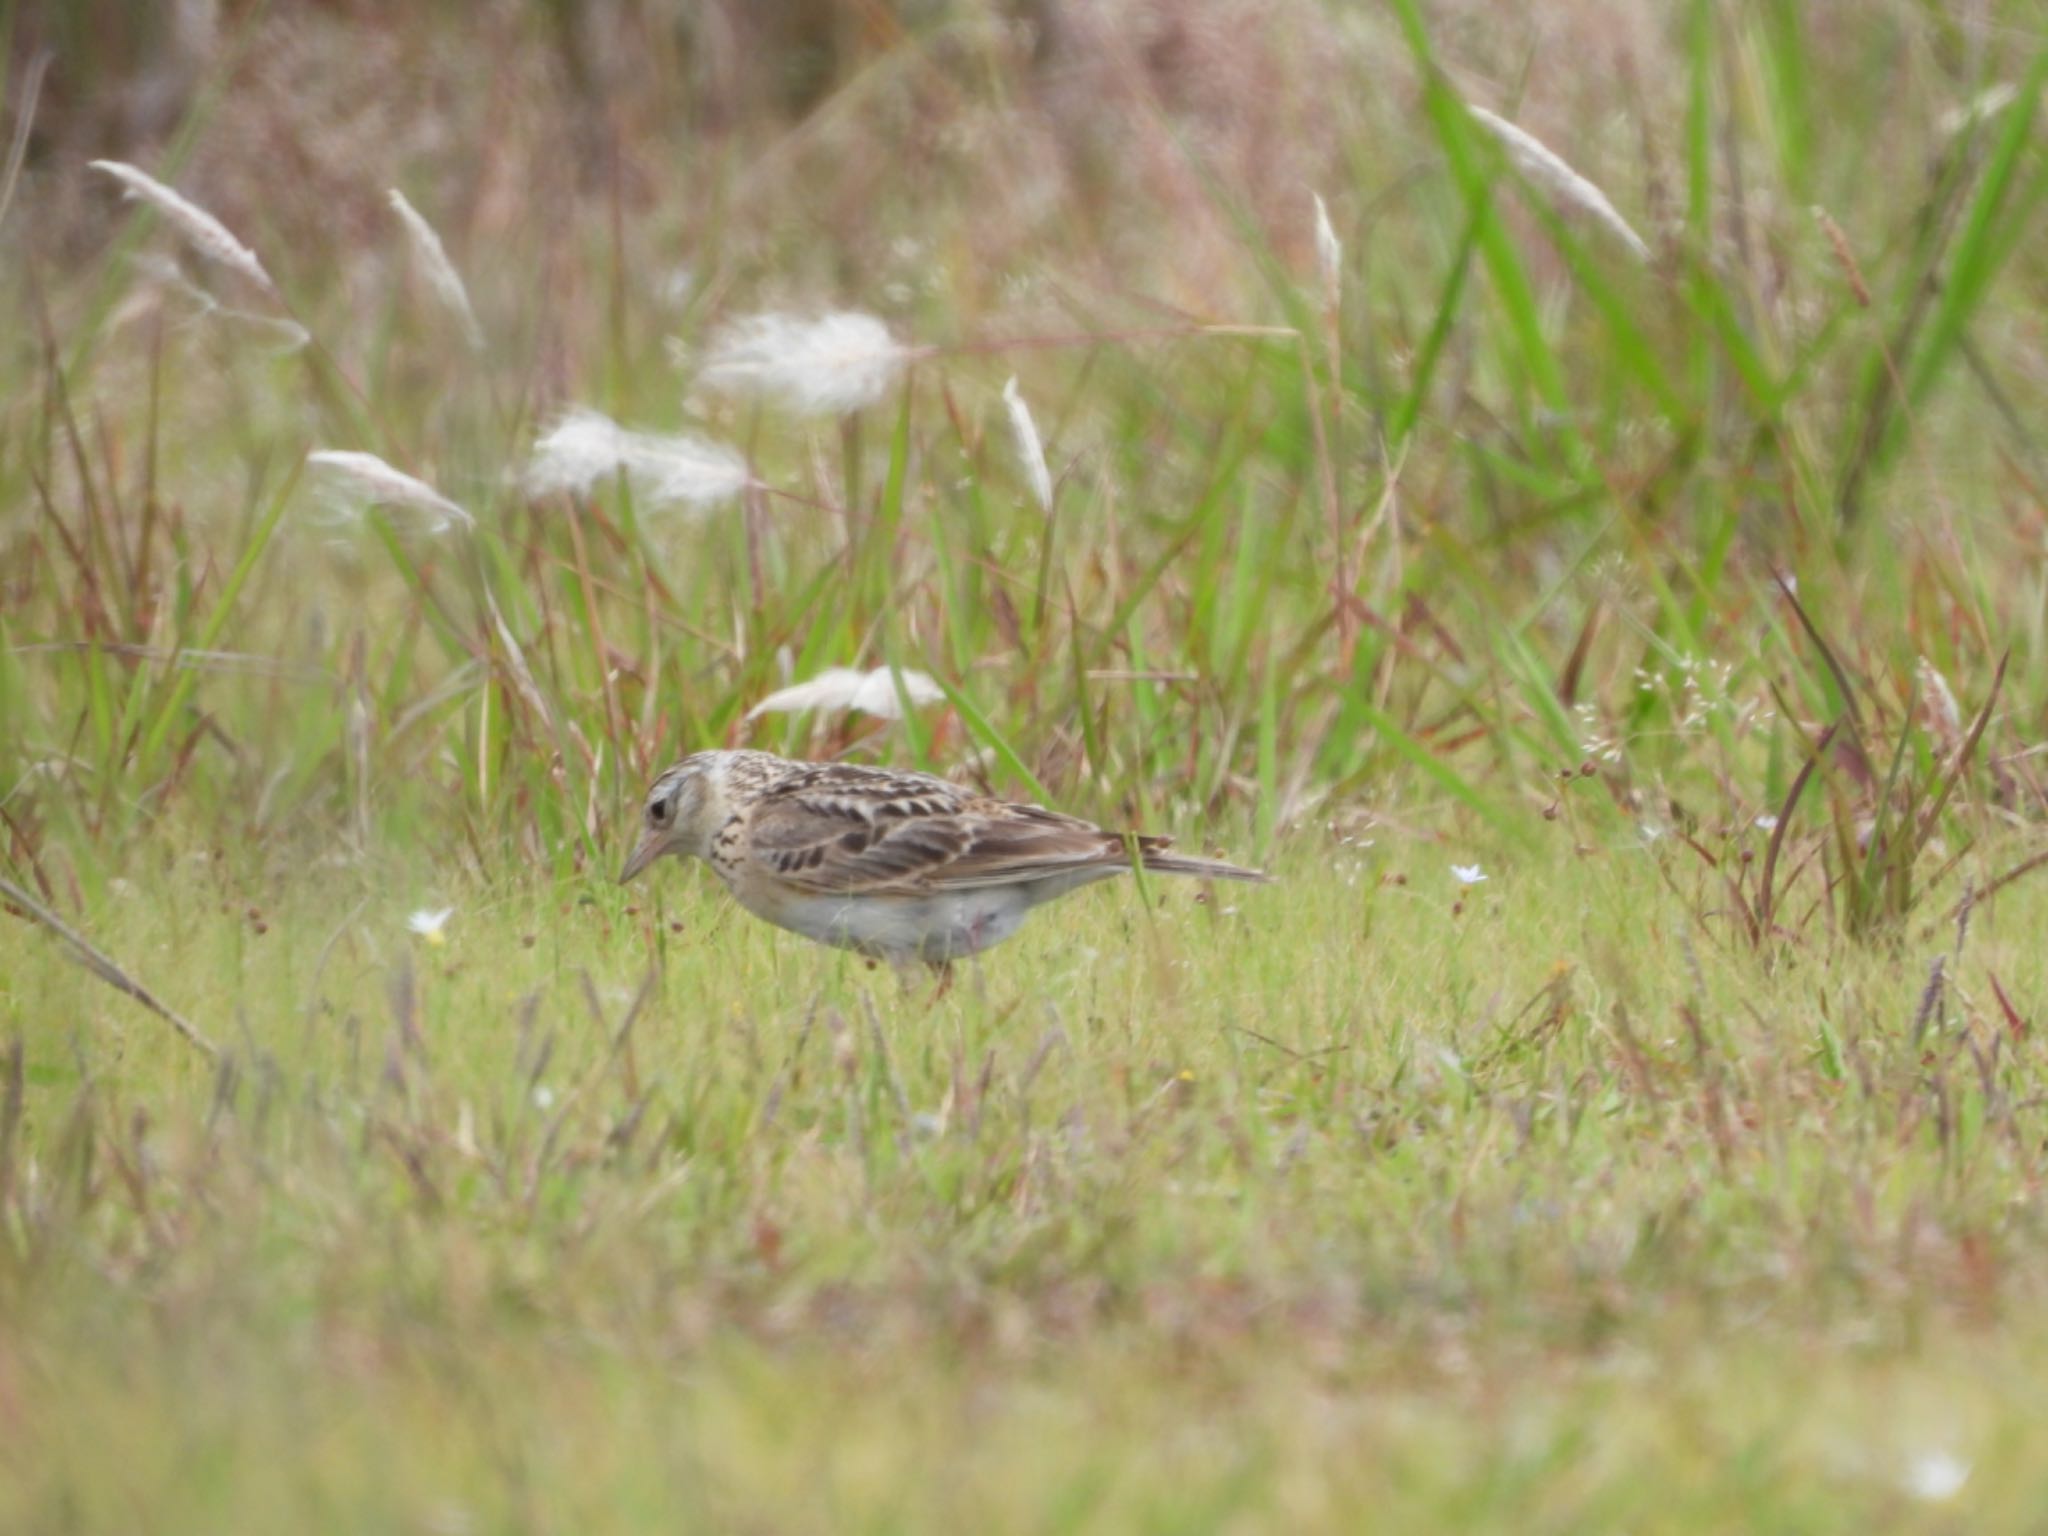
1520, 496
1680, 1162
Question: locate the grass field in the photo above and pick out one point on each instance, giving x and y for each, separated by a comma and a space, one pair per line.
1601, 574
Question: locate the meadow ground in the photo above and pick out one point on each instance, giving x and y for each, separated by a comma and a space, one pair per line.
1601, 574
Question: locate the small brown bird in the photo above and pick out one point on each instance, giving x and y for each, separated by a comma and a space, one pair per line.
898, 866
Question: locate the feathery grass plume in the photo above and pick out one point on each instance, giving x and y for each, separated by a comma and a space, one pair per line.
1329, 255
585, 446
1543, 166
1029, 448
202, 231
365, 477
438, 270
823, 366
845, 688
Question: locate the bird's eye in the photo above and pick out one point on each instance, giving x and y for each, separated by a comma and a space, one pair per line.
658, 811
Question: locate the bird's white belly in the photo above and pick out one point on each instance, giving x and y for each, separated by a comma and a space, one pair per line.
901, 928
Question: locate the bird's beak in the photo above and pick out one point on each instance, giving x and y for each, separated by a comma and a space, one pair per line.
644, 853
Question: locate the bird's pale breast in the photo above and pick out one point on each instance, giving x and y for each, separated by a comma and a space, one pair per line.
899, 929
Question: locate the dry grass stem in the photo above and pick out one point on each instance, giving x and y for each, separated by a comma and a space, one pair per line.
103, 966
1844, 257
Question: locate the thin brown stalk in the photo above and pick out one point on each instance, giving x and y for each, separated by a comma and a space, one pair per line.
101, 965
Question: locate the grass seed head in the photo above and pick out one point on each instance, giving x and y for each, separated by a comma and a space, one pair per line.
846, 688
823, 366
201, 230
366, 478
1030, 449
1329, 255
438, 270
585, 446
1548, 170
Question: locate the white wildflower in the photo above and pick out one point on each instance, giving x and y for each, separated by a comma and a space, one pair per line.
826, 366
202, 231
1329, 255
1767, 823
1545, 167
430, 923
1935, 1477
365, 477
1467, 874
845, 688
438, 270
1030, 450
584, 447
543, 1097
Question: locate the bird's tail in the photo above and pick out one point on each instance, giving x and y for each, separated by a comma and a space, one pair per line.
1159, 862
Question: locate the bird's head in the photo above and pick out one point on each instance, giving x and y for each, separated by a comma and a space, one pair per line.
681, 811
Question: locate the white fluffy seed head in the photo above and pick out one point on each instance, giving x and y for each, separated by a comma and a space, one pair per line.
823, 366
845, 688
585, 446
201, 230
365, 478
1548, 170
1030, 450
437, 269
1329, 255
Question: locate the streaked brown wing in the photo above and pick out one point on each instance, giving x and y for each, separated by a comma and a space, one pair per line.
841, 830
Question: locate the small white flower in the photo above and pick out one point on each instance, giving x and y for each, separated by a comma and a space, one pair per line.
429, 924
543, 1097
1767, 823
1936, 1476
1467, 874
827, 366
845, 688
